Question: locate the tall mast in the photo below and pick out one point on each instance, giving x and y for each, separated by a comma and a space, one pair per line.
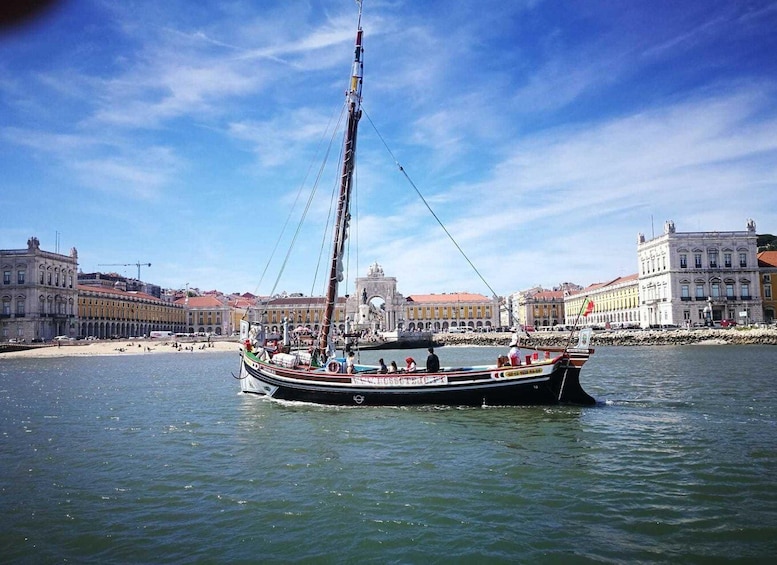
353, 101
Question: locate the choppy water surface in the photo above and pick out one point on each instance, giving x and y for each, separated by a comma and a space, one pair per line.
158, 458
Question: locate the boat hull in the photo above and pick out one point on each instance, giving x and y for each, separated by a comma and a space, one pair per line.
398, 344
543, 384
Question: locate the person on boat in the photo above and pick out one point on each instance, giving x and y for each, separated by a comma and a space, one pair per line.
393, 367
350, 368
432, 362
410, 366
515, 352
383, 369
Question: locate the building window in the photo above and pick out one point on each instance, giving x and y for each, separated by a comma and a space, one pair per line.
746, 291
20, 307
715, 290
20, 277
768, 291
729, 290
683, 261
697, 260
6, 277
727, 260
743, 259
685, 292
41, 277
700, 291
6, 307
712, 256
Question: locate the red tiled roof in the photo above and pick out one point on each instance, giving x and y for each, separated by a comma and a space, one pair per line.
201, 302
598, 286
548, 295
767, 259
241, 303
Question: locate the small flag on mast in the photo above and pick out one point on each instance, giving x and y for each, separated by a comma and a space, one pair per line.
589, 307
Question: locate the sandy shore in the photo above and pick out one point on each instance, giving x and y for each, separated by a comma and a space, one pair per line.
121, 347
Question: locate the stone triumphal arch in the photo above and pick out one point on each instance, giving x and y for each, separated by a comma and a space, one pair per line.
364, 307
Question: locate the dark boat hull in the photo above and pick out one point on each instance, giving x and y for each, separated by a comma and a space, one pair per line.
557, 384
398, 344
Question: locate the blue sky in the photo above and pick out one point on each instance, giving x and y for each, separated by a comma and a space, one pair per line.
545, 135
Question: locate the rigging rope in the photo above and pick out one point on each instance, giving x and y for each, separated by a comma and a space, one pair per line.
428, 207
304, 213
308, 203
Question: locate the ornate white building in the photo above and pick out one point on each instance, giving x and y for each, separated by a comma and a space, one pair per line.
696, 277
38, 293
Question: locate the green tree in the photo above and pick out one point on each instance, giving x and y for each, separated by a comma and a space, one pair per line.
767, 242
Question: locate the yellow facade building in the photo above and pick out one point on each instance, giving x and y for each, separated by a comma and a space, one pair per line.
105, 312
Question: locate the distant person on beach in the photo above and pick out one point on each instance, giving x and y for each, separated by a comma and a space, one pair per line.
432, 362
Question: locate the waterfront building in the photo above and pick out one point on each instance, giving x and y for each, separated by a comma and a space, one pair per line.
517, 315
300, 311
38, 295
419, 312
767, 266
616, 304
538, 308
206, 315
694, 278
239, 308
112, 311
377, 306
442, 312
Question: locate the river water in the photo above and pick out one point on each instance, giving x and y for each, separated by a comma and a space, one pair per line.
160, 459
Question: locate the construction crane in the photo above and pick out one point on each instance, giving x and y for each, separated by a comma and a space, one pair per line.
138, 265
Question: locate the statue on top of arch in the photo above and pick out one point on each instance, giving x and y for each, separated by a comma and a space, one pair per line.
375, 270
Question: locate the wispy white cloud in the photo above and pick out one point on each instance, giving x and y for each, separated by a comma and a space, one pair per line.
683, 161
104, 164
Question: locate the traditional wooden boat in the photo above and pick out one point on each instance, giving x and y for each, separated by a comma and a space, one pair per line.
317, 375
